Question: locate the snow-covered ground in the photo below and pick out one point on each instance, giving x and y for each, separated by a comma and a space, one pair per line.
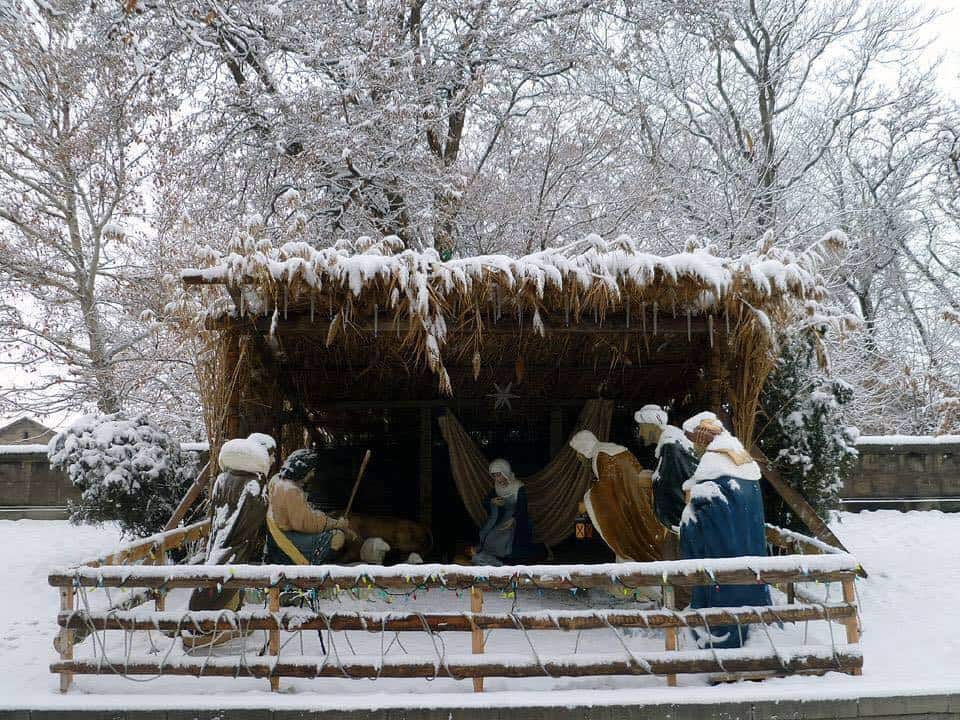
910, 640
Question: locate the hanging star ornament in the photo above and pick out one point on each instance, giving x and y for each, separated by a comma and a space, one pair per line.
502, 397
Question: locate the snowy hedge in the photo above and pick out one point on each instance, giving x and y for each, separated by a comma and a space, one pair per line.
802, 430
128, 471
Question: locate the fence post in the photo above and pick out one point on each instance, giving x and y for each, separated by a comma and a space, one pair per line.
852, 624
670, 634
274, 595
476, 606
159, 557
66, 637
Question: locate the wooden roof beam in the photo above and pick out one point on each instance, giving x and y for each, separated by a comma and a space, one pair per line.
302, 324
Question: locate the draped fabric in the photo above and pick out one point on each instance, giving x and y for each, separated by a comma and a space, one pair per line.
554, 493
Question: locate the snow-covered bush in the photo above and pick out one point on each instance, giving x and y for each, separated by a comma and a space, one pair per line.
802, 430
128, 470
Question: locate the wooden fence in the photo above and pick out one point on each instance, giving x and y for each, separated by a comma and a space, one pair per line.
817, 563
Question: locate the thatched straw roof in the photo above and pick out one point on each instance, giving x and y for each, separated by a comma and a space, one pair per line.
370, 283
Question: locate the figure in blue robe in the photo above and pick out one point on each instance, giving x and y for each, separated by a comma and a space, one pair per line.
673, 459
724, 518
507, 535
676, 464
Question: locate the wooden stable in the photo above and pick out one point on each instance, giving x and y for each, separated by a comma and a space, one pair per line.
152, 581
366, 345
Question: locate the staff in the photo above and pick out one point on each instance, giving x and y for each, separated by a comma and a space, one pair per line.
356, 485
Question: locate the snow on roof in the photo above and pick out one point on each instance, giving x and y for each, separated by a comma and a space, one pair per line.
908, 440
355, 282
25, 449
579, 266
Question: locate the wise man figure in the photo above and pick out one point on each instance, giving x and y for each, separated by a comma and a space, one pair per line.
722, 518
675, 463
237, 526
620, 500
299, 532
507, 535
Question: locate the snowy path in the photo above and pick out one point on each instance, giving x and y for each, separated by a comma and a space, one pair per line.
910, 640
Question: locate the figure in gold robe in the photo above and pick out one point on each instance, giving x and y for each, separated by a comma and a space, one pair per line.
620, 501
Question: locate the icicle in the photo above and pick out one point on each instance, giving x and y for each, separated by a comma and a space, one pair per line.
376, 319
242, 302
286, 292
520, 315
726, 319
643, 317
496, 299
689, 327
674, 308
656, 308
628, 314
710, 328
330, 309
311, 306
566, 312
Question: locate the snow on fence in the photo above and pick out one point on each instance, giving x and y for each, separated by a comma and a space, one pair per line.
824, 564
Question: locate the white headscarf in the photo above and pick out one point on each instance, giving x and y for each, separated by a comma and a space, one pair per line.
691, 424
502, 467
651, 415
586, 444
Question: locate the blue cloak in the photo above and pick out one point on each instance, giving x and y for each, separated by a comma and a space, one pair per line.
517, 549
676, 465
725, 520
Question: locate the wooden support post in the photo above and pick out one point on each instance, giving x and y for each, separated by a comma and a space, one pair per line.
476, 606
232, 409
670, 634
66, 637
426, 467
853, 623
274, 595
159, 557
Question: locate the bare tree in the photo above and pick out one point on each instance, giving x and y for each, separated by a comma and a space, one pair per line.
75, 126
764, 89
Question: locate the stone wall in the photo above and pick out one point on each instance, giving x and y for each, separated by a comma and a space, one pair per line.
26, 479
905, 471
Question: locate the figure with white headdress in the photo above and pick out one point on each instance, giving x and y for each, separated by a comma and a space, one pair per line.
675, 462
620, 500
238, 519
722, 518
507, 535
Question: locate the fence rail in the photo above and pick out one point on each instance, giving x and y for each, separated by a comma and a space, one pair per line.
152, 580
292, 620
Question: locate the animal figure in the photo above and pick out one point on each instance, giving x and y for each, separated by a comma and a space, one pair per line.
402, 535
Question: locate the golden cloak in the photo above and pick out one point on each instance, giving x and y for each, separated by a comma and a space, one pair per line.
620, 504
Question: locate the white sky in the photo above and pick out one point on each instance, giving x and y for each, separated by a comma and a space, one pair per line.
945, 33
